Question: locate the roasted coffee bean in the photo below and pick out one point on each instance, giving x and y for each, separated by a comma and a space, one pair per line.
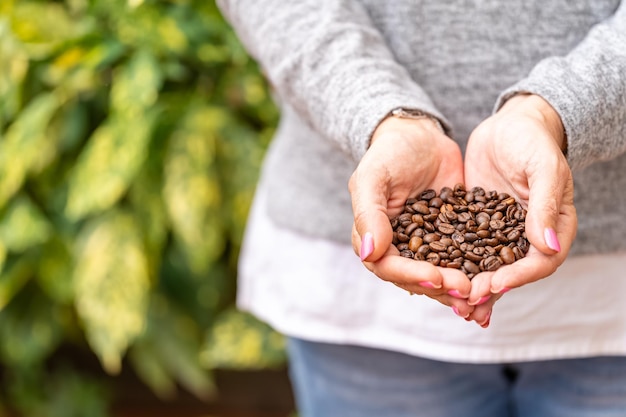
490, 263
507, 255
496, 224
470, 237
437, 246
446, 241
464, 217
402, 246
428, 195
451, 216
493, 242
497, 215
473, 257
417, 219
474, 231
446, 228
410, 229
431, 237
415, 243
405, 219
500, 236
433, 258
482, 218
480, 251
513, 235
421, 207
454, 264
402, 237
435, 202
455, 253
471, 267
424, 250
490, 250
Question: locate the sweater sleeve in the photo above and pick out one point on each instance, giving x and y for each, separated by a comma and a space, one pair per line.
587, 87
329, 62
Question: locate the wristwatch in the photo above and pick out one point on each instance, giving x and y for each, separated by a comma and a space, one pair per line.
415, 114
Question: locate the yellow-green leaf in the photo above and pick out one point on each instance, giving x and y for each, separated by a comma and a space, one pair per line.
136, 86
13, 67
192, 191
23, 226
239, 340
3, 256
25, 147
42, 26
111, 285
108, 164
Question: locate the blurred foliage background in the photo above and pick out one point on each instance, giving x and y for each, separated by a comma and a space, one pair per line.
131, 136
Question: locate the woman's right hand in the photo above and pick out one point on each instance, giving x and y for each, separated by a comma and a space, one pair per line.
405, 157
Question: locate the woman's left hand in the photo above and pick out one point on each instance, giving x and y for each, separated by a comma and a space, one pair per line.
519, 150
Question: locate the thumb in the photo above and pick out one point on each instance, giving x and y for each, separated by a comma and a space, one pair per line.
544, 202
372, 232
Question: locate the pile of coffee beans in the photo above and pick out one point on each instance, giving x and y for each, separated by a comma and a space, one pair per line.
473, 231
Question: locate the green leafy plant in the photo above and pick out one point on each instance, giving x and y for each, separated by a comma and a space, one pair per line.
131, 136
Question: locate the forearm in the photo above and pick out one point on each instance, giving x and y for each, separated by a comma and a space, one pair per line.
587, 88
327, 59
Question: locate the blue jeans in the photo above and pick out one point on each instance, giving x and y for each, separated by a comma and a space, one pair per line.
348, 381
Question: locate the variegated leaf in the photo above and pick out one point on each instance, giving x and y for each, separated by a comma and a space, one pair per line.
111, 286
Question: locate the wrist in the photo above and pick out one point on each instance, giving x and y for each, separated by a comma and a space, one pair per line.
539, 108
410, 114
406, 121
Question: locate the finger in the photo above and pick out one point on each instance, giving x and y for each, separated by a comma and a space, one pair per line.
455, 283
482, 313
547, 184
459, 306
406, 272
368, 189
481, 289
531, 268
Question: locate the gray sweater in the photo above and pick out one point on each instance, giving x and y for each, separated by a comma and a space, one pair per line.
339, 66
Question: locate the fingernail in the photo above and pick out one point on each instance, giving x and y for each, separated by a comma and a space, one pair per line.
455, 294
481, 300
428, 284
485, 322
367, 245
457, 312
551, 240
501, 291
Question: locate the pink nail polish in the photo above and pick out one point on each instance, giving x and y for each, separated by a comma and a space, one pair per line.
367, 245
502, 291
456, 311
427, 284
551, 240
482, 300
455, 294
485, 322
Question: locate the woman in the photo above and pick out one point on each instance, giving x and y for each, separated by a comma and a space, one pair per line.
394, 98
